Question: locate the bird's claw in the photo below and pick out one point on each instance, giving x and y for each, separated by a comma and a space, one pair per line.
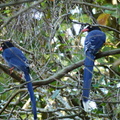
21, 76
11, 70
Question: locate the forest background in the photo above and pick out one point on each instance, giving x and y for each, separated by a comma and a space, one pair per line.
49, 33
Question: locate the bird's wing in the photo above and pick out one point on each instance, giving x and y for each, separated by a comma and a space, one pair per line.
15, 58
94, 41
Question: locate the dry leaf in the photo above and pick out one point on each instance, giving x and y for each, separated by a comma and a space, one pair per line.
103, 19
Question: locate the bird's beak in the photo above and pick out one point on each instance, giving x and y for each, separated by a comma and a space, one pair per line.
1, 48
84, 30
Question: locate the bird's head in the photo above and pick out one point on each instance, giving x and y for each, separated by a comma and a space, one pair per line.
5, 45
90, 28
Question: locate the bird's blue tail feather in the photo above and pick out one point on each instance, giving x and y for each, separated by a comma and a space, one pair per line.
31, 93
89, 63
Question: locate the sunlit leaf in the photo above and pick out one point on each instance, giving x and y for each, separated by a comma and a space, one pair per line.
7, 11
1, 88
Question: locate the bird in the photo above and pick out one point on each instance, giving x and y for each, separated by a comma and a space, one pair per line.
15, 58
94, 41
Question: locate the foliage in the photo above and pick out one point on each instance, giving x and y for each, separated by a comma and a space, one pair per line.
47, 33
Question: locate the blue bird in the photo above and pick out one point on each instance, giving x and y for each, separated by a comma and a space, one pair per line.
93, 43
16, 60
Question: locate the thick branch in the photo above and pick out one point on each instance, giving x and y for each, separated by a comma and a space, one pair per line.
13, 75
64, 71
67, 69
107, 53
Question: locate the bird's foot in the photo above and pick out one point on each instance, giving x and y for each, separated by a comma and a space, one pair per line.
21, 76
11, 70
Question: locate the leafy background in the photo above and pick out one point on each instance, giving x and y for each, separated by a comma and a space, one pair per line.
49, 33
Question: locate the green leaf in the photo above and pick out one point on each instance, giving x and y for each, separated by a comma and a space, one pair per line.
96, 85
1, 88
7, 11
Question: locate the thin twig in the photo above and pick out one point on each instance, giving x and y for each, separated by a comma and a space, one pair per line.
93, 5
15, 3
20, 12
69, 68
110, 28
12, 97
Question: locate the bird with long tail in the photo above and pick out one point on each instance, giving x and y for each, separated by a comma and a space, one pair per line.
93, 43
16, 60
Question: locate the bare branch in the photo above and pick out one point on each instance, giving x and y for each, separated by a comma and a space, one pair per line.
13, 75
20, 12
93, 5
12, 97
64, 71
110, 28
67, 69
15, 3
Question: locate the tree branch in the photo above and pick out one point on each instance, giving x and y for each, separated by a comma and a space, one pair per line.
93, 5
110, 28
67, 69
12, 97
15, 3
61, 73
13, 75
20, 12
107, 53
